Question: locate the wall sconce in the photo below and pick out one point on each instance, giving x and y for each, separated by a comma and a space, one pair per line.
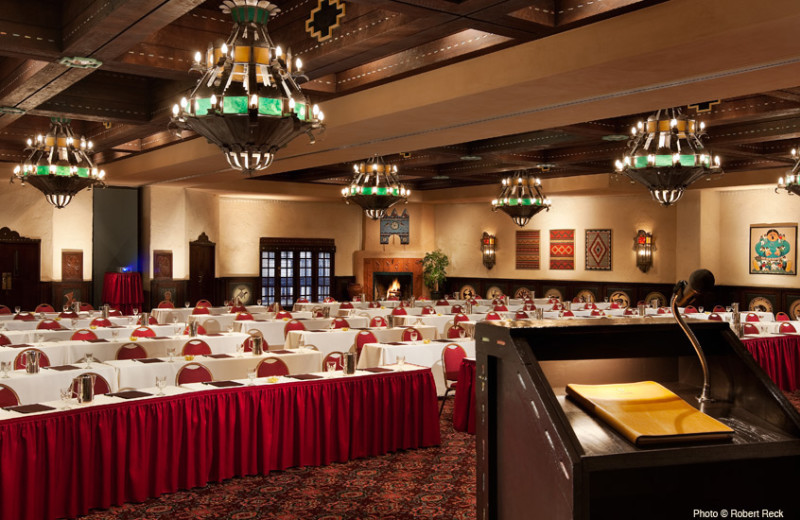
643, 244
488, 245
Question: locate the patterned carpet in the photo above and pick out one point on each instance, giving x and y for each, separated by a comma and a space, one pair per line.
431, 484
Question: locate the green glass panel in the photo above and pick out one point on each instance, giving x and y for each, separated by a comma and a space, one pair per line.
83, 172
202, 106
270, 106
663, 160
382, 191
234, 104
640, 161
301, 109
63, 170
687, 160
526, 202
513, 202
42, 170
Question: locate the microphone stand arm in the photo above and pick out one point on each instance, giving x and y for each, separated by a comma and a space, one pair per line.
705, 394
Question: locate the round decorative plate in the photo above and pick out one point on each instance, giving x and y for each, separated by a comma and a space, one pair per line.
621, 298
794, 310
655, 295
467, 292
243, 293
553, 293
494, 292
585, 296
522, 293
760, 304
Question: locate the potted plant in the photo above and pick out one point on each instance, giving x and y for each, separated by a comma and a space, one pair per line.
434, 274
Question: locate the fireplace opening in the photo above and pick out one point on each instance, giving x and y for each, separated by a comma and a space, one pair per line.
386, 285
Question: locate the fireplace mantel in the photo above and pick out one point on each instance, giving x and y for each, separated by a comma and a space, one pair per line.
395, 265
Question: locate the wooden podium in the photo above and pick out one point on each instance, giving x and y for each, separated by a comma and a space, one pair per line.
540, 456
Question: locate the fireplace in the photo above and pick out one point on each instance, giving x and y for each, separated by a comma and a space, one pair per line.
389, 284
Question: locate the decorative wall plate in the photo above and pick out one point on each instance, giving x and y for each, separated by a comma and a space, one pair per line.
586, 296
467, 292
794, 310
553, 293
494, 292
760, 304
244, 292
655, 295
621, 298
522, 293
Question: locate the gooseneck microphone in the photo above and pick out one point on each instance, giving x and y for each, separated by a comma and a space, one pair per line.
700, 281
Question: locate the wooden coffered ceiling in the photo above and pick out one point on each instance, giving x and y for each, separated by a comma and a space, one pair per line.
146, 48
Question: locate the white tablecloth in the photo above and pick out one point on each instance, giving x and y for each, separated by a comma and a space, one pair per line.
47, 384
30, 336
273, 329
79, 323
339, 340
440, 322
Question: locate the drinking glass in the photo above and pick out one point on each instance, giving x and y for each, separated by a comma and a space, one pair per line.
66, 397
39, 337
65, 308
230, 328
114, 334
171, 354
5, 366
74, 322
251, 375
161, 384
700, 309
414, 336
401, 362
89, 358
135, 311
17, 309
239, 350
259, 301
330, 367
462, 333
186, 304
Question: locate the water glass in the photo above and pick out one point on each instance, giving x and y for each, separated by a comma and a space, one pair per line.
259, 301
251, 375
330, 367
401, 362
171, 354
462, 333
114, 334
17, 309
5, 367
65, 308
161, 384
239, 350
135, 311
700, 309
230, 328
39, 338
89, 358
66, 397
186, 304
414, 336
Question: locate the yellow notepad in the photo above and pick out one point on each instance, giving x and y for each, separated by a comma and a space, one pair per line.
647, 413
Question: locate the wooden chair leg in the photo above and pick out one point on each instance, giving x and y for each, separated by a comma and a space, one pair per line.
443, 400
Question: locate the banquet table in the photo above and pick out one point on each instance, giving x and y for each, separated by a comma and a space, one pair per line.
779, 356
47, 384
440, 322
273, 329
79, 323
416, 352
117, 331
122, 450
223, 321
339, 340
464, 406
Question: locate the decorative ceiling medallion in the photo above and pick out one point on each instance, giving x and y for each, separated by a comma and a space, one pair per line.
324, 19
79, 62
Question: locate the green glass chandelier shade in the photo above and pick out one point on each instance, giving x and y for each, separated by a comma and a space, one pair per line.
375, 187
521, 198
792, 183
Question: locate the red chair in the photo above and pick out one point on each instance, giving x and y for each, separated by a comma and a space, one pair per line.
68, 314
24, 316
399, 311
340, 323
114, 312
576, 300
238, 308
333, 357
282, 315
690, 309
427, 310
568, 314
408, 334
590, 306
293, 325
787, 328
200, 330
752, 317
714, 317
500, 308
492, 315
362, 338
558, 306
272, 366
498, 301
19, 361
749, 329
630, 311
83, 335
719, 308
195, 347
596, 312
456, 331
346, 305
131, 351
243, 316
202, 303
248, 342
100, 322
86, 307
48, 325
44, 307
143, 332
452, 355
151, 321
274, 307
302, 300
782, 316
521, 315
442, 302
614, 305
4, 340
528, 306
460, 317
193, 373
101, 386
200, 310
166, 304
8, 397
329, 299
663, 310
378, 321
4, 310
374, 305
455, 309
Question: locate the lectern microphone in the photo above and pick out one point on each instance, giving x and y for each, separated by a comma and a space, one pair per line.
700, 281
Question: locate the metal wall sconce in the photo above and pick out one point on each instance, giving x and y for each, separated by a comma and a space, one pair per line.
643, 245
488, 245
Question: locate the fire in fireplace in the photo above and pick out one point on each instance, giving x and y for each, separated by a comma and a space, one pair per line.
386, 285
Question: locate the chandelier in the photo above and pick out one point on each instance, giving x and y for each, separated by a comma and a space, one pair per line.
521, 198
247, 101
792, 184
666, 155
375, 187
59, 165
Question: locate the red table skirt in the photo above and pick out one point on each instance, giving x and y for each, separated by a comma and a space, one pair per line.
123, 291
464, 408
779, 356
67, 463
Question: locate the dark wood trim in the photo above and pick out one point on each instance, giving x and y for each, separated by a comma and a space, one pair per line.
306, 244
202, 240
11, 236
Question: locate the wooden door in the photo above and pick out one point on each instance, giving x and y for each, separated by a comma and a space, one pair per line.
19, 270
201, 269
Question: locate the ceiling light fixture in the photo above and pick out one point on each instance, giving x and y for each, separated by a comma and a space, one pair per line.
521, 198
792, 184
666, 155
248, 102
59, 165
375, 187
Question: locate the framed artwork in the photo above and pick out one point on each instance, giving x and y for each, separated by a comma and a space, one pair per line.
71, 265
773, 249
395, 224
562, 249
162, 264
598, 249
168, 293
528, 249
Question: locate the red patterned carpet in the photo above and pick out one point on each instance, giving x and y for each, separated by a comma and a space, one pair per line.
431, 484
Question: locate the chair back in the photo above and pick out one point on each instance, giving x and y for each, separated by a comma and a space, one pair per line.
8, 397
243, 316
752, 317
83, 335
749, 328
4, 309
520, 315
143, 332
558, 306
690, 309
195, 347
166, 304
590, 306
408, 334
329, 299
19, 361
150, 321
596, 312
101, 386
399, 311
630, 311
248, 342
4, 340
293, 325
114, 312
455, 309
500, 308
201, 310
193, 373
460, 317
568, 314
44, 307
362, 338
131, 351
714, 317
200, 330
663, 310
374, 305
100, 322
719, 308
346, 305
340, 323
280, 315
614, 305
334, 357
272, 366
202, 303
528, 306
442, 302
452, 354
786, 327
428, 309
68, 314
782, 316
24, 316
48, 324
492, 315
456, 331
85, 307
378, 321
302, 300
